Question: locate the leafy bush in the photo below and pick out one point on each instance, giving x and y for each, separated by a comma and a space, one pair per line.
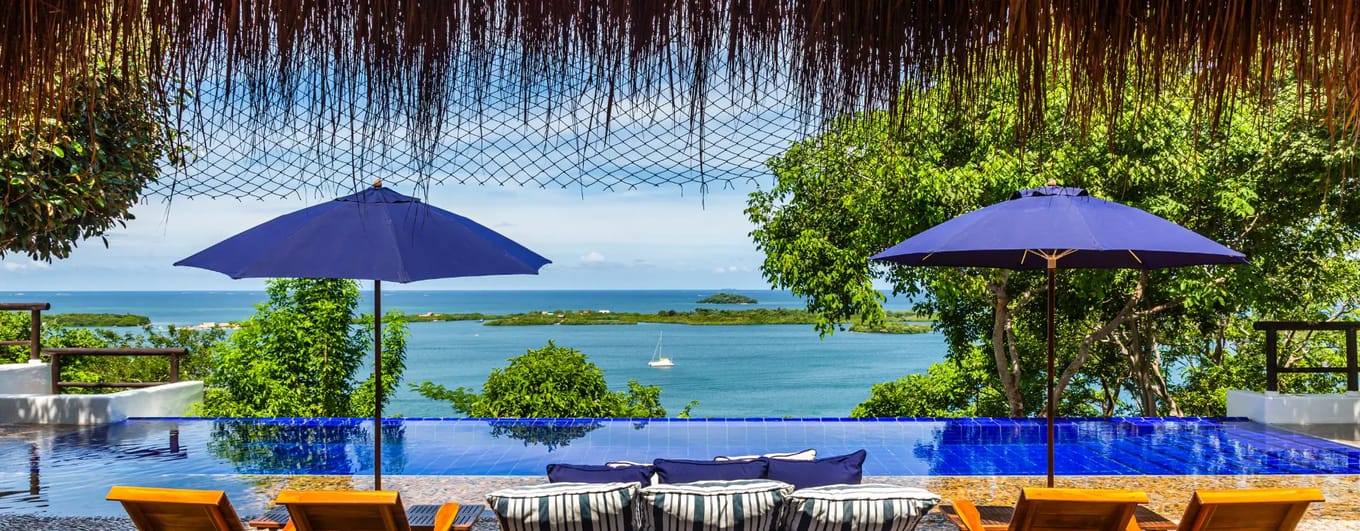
75, 177
299, 354
551, 382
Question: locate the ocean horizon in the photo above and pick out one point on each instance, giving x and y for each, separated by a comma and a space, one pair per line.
733, 371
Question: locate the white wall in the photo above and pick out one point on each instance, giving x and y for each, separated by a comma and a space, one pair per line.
25, 378
168, 400
1275, 408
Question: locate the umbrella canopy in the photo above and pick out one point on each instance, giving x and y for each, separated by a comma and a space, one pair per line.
1058, 227
377, 235
1021, 232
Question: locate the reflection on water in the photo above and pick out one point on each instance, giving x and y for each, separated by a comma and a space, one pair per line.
305, 446
551, 434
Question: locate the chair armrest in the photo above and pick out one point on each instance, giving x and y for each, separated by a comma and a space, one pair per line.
443, 520
972, 520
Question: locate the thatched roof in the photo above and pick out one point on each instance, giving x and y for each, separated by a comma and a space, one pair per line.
321, 64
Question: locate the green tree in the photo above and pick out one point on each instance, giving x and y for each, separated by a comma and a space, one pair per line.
75, 177
300, 355
1263, 187
551, 382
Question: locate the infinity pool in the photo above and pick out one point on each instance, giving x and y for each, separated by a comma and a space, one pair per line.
63, 472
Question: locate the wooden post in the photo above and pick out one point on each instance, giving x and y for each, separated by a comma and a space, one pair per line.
34, 334
174, 367
56, 374
1352, 370
1272, 355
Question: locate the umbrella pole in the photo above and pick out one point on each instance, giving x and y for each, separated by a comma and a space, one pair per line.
377, 386
1052, 299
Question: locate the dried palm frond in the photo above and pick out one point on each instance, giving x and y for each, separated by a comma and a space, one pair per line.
360, 66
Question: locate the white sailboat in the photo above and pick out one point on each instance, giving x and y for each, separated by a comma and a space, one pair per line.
659, 361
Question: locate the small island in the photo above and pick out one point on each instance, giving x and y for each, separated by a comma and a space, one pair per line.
97, 319
727, 298
894, 322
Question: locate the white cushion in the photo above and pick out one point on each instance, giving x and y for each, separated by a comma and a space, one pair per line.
566, 507
866, 507
747, 504
802, 455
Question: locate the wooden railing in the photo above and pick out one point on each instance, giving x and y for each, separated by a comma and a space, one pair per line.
57, 353
35, 310
1273, 369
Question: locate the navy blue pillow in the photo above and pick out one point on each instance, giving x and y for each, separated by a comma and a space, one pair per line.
559, 473
842, 469
686, 471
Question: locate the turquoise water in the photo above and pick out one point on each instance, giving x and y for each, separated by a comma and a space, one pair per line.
733, 371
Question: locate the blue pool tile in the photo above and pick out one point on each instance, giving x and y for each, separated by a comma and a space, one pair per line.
162, 447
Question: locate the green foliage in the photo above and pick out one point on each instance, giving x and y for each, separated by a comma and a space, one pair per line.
727, 298
299, 356
551, 382
96, 319
14, 326
1266, 187
962, 387
433, 317
75, 177
199, 346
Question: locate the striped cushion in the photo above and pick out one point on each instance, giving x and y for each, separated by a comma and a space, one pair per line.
566, 507
738, 505
866, 507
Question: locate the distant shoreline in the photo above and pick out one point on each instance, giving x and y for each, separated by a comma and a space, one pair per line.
894, 323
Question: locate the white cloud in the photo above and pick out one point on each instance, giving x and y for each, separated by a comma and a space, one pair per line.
593, 257
23, 266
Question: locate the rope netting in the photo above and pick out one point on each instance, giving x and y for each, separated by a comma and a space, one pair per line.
508, 139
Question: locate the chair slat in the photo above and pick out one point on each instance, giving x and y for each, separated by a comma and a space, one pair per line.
1276, 509
158, 509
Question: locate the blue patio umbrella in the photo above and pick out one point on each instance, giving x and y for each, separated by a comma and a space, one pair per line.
1058, 227
377, 235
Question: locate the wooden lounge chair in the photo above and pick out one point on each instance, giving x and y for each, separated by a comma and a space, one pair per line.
155, 509
325, 510
1248, 509
1056, 510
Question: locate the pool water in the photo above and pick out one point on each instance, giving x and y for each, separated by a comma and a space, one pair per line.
68, 472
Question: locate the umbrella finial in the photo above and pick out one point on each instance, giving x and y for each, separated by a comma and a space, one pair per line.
377, 183
1051, 182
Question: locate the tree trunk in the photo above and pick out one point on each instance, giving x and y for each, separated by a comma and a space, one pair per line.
1157, 380
1104, 331
1003, 347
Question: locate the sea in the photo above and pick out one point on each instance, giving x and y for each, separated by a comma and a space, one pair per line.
732, 371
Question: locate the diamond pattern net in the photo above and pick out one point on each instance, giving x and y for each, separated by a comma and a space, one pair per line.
506, 139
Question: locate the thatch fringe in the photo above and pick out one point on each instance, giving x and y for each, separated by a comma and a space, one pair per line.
339, 63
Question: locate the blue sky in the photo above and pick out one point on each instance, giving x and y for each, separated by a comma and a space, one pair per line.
656, 238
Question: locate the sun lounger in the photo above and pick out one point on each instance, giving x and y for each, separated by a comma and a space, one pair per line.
360, 511
1248, 509
156, 509
1057, 509
419, 516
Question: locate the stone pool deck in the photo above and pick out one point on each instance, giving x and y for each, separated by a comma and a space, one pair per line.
1169, 494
